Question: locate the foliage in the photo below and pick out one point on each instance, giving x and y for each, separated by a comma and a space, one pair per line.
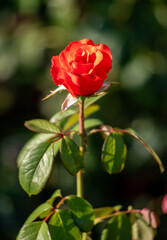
73, 216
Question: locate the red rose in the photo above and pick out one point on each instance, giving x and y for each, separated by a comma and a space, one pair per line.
82, 67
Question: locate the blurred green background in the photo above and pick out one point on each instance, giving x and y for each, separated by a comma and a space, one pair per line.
31, 32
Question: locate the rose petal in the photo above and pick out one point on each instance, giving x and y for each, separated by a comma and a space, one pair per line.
56, 71
65, 56
102, 64
81, 55
59, 76
79, 69
92, 57
99, 58
104, 48
84, 85
69, 87
87, 41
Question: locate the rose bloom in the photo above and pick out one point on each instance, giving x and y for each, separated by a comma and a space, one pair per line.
82, 67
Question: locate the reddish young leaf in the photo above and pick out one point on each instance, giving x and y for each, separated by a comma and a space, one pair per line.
164, 204
151, 218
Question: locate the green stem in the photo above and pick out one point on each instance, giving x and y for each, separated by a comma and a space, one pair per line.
82, 146
80, 184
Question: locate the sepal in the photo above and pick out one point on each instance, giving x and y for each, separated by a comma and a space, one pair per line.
59, 89
68, 102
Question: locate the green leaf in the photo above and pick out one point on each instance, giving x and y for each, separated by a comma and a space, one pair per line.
44, 214
118, 228
36, 168
82, 213
89, 123
62, 227
71, 122
90, 100
100, 212
55, 195
104, 212
56, 147
41, 126
74, 119
34, 231
38, 211
62, 115
35, 140
93, 122
141, 230
153, 153
91, 109
114, 153
70, 156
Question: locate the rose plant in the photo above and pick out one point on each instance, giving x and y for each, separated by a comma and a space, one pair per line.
81, 69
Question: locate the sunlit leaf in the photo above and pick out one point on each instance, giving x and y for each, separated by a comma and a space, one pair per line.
36, 168
91, 109
153, 153
82, 212
45, 214
41, 126
35, 140
104, 212
56, 147
62, 115
88, 123
62, 227
118, 228
38, 211
100, 212
34, 231
141, 230
71, 121
74, 119
114, 153
70, 155
90, 100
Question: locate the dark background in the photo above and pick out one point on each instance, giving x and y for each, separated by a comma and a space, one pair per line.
31, 32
